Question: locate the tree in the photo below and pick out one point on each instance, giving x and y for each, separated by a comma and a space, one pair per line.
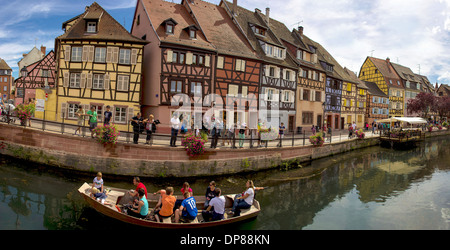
423, 104
443, 106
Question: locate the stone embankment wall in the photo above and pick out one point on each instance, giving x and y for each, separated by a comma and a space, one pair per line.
85, 154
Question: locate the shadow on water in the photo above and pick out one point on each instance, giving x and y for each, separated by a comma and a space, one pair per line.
357, 183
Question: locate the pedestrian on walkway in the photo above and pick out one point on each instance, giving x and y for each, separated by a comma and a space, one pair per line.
80, 118
242, 134
175, 124
92, 120
138, 125
107, 116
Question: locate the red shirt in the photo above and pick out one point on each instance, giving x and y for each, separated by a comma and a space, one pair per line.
140, 185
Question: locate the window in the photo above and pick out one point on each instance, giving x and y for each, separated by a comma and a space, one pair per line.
192, 34
76, 54
75, 79
100, 55
72, 110
120, 115
91, 27
318, 96
306, 94
201, 60
259, 30
196, 88
98, 82
270, 94
307, 118
122, 83
182, 58
169, 28
272, 71
176, 86
240, 65
299, 54
287, 75
124, 56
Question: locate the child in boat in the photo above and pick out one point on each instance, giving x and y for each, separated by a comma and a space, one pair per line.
164, 207
210, 193
188, 209
218, 203
98, 182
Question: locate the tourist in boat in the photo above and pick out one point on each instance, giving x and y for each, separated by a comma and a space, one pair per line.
98, 182
165, 205
186, 187
139, 210
137, 182
245, 200
217, 205
188, 209
210, 193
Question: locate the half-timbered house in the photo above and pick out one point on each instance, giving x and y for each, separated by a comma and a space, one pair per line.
99, 64
237, 68
179, 61
384, 75
353, 99
411, 83
278, 82
5, 80
377, 103
39, 83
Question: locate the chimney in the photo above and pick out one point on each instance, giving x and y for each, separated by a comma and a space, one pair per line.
388, 60
300, 30
267, 16
235, 7
43, 49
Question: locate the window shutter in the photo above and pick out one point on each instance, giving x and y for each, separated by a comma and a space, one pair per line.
113, 117
134, 53
170, 55
130, 113
220, 62
66, 79
106, 81
276, 95
345, 102
283, 94
291, 96
85, 54
189, 58
91, 53
67, 53
115, 55
63, 110
109, 52
89, 81
86, 107
207, 61
313, 95
301, 94
238, 64
277, 72
83, 81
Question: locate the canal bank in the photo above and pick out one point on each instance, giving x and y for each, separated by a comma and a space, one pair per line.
86, 155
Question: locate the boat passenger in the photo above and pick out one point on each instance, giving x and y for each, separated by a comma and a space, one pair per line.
137, 182
188, 209
210, 193
98, 182
217, 205
164, 207
139, 210
245, 200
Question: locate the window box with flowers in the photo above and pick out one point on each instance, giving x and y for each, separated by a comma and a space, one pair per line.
317, 140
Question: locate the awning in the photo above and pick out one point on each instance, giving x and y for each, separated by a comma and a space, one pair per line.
412, 120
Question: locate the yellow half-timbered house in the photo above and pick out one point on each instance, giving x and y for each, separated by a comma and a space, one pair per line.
99, 64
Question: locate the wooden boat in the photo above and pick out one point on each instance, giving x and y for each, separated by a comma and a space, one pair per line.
115, 199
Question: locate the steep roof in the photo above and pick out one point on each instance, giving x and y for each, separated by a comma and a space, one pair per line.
160, 11
388, 71
220, 29
373, 89
108, 28
406, 74
351, 77
4, 65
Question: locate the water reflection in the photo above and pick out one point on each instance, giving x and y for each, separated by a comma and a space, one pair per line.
375, 188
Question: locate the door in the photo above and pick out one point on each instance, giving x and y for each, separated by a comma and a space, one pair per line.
291, 123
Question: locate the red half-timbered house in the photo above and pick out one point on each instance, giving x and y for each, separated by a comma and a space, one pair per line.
40, 75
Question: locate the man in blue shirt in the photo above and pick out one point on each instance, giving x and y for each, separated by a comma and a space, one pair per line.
188, 209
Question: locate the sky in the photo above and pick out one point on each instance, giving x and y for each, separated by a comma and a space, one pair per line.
413, 33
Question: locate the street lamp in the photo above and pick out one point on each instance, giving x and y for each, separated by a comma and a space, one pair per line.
323, 117
24, 73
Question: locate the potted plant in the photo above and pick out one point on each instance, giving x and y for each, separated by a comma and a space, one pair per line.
317, 140
24, 112
430, 127
194, 145
107, 134
360, 133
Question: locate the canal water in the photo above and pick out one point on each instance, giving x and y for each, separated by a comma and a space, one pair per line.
373, 188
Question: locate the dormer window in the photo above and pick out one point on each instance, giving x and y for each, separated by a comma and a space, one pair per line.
258, 30
170, 25
192, 31
91, 27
